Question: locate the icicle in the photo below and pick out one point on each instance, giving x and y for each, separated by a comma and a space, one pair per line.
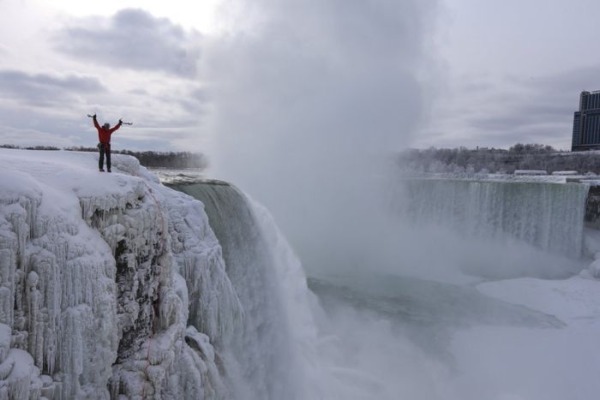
35, 326
5, 338
7, 283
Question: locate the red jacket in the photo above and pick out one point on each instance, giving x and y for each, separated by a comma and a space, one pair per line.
104, 134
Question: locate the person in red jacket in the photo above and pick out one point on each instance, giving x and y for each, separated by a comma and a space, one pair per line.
104, 133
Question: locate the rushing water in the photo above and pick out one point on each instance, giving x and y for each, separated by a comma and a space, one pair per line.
378, 332
548, 216
259, 360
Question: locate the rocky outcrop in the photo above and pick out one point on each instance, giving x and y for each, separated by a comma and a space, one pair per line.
93, 300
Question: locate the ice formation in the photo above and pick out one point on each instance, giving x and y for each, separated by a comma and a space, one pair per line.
112, 285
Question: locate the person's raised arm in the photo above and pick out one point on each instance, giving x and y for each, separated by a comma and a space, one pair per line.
95, 121
117, 126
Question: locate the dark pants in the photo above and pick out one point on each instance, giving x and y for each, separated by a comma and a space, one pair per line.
104, 149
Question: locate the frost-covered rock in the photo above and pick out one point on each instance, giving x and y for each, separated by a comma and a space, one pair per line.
111, 285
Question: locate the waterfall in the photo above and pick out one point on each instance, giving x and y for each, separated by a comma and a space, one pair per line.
548, 216
496, 229
260, 361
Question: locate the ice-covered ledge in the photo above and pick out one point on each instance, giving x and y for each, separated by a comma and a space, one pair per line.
93, 270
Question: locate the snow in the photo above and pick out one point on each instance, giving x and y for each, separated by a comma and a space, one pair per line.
575, 301
525, 363
566, 173
559, 177
92, 303
530, 172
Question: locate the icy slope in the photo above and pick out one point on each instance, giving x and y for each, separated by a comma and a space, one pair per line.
92, 302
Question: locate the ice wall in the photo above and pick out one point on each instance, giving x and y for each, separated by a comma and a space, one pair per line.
57, 298
111, 285
549, 216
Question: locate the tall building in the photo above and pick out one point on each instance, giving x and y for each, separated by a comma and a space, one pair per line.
586, 122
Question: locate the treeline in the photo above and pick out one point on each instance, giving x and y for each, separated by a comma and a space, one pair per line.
177, 160
11, 146
151, 159
490, 160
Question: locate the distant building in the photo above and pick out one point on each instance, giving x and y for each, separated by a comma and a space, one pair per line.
586, 122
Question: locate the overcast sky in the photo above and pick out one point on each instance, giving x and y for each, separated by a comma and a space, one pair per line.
368, 74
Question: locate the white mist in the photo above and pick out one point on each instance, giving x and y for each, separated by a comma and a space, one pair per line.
309, 98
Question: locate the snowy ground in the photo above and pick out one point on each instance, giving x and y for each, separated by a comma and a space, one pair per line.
65, 173
518, 363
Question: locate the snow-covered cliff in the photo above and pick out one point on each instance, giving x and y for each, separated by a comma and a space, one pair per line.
111, 285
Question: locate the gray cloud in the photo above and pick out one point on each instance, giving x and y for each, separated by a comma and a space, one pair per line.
516, 109
44, 89
21, 126
522, 117
568, 84
194, 102
50, 106
133, 39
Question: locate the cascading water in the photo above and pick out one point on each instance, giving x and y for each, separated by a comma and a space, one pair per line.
380, 333
549, 216
260, 361
495, 229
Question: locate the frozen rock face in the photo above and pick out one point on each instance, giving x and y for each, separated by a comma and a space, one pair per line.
93, 300
57, 297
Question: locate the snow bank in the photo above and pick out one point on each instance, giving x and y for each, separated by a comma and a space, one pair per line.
530, 172
534, 363
92, 299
